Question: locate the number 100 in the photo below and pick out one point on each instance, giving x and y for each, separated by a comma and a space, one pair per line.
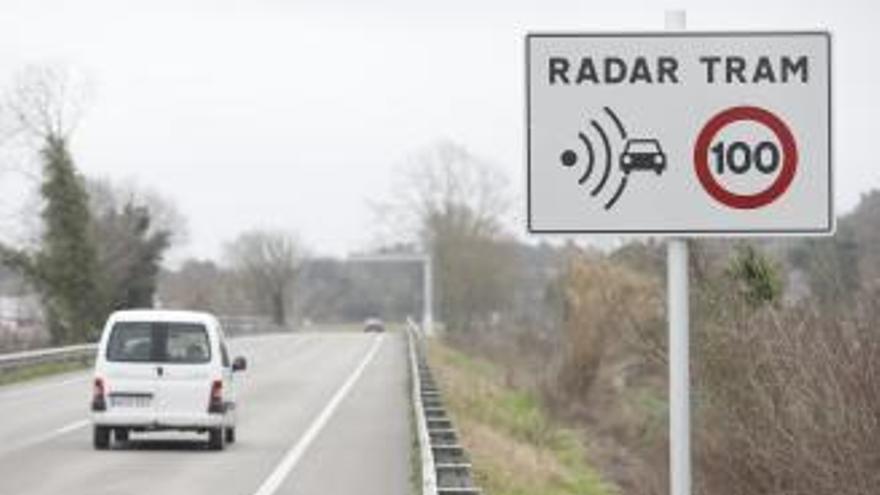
739, 157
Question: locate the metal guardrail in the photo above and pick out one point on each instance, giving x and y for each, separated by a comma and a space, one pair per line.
75, 353
235, 327
446, 469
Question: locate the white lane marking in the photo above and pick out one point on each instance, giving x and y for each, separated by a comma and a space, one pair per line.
68, 428
71, 427
292, 457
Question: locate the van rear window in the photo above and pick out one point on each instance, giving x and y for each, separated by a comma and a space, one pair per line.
159, 342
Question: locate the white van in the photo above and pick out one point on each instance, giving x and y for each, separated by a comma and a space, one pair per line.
164, 370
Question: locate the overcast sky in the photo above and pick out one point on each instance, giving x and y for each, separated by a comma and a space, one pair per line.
291, 114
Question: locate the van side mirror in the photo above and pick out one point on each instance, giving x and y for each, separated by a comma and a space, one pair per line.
239, 364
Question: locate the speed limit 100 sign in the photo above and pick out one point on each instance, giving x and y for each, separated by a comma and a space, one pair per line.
679, 133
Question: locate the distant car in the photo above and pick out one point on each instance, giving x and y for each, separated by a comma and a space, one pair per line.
163, 370
374, 325
642, 154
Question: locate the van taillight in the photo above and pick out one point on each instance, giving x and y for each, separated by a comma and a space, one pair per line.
215, 405
99, 403
99, 387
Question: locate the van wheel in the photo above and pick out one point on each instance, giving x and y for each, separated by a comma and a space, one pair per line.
230, 434
101, 437
120, 434
216, 439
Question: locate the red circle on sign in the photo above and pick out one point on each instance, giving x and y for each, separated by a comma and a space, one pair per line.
745, 201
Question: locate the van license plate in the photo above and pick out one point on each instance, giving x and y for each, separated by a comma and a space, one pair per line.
130, 401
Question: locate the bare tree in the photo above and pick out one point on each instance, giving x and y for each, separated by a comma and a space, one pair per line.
437, 180
454, 205
41, 108
47, 102
203, 285
268, 263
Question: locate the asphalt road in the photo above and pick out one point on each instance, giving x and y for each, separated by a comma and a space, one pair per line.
319, 413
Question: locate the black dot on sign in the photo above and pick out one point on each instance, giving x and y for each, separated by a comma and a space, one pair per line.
568, 158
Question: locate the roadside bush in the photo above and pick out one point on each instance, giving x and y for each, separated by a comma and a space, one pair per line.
611, 378
604, 304
788, 400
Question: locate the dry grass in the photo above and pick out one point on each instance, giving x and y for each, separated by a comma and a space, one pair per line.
515, 447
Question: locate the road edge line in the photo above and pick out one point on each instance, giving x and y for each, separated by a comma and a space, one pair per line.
271, 484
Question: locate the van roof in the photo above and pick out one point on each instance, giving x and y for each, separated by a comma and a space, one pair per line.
162, 315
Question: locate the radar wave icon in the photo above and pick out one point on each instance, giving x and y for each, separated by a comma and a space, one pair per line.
600, 157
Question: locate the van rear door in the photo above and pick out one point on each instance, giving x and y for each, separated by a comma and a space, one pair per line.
131, 371
184, 389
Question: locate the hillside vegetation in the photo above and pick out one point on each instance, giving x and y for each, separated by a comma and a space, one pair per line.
785, 346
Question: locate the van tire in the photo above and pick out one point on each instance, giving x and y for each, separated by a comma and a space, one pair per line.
230, 434
216, 439
101, 437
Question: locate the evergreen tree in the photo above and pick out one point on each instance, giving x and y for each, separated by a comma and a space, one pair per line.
759, 279
65, 268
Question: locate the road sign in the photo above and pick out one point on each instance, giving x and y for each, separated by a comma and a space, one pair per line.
679, 133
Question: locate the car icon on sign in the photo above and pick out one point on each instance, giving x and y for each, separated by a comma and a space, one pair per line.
642, 154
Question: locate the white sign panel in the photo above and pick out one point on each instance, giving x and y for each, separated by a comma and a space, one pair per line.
679, 133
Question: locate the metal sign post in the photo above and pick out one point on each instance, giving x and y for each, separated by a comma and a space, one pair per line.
679, 344
679, 372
